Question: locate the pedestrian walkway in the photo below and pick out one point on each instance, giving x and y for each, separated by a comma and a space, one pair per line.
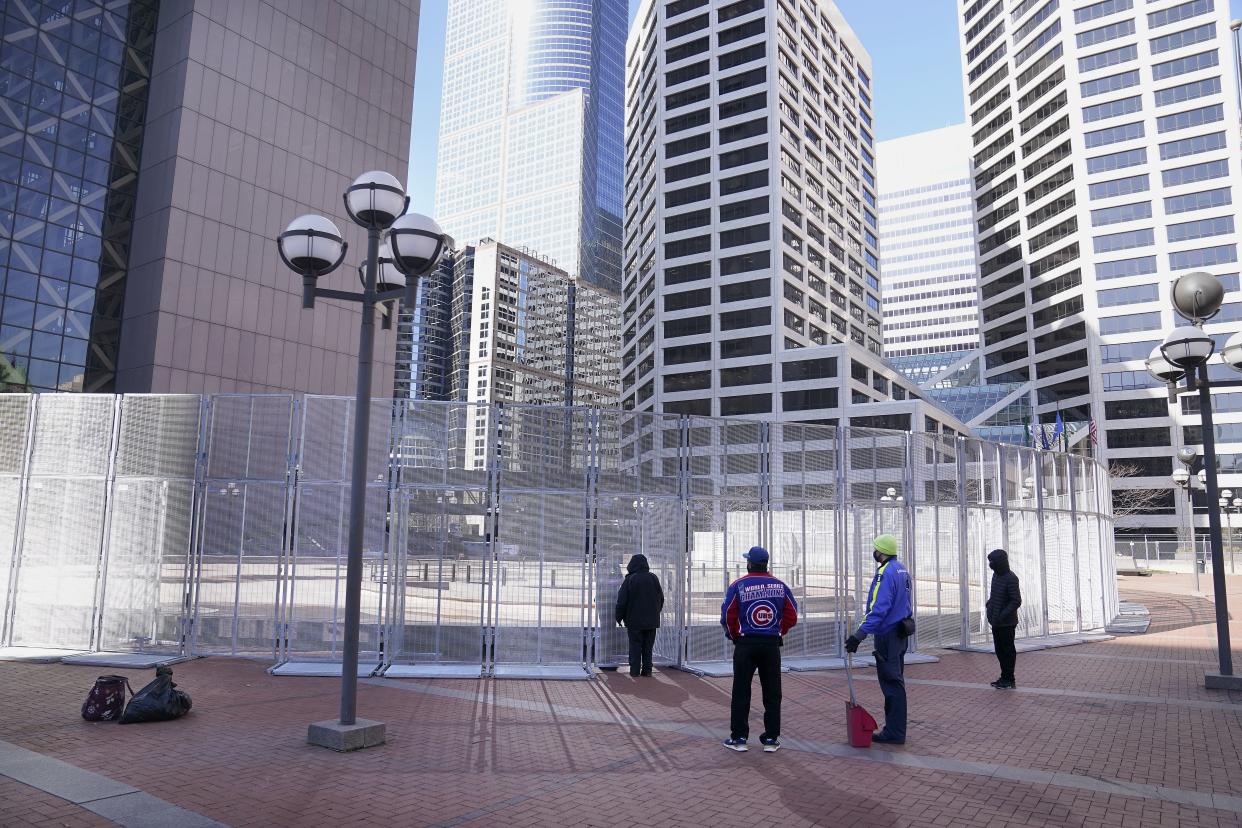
1111, 733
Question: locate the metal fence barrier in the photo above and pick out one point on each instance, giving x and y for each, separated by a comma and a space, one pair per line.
498, 534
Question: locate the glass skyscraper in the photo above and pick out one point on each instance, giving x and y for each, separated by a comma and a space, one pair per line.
530, 149
74, 78
141, 188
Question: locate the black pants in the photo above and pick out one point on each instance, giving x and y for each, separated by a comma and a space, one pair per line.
890, 669
749, 656
1006, 653
641, 644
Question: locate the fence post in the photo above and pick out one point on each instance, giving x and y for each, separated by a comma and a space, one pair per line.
1070, 485
105, 535
963, 533
1043, 552
908, 529
19, 528
841, 540
686, 566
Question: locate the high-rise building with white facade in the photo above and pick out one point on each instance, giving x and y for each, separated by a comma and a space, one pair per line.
1106, 150
751, 224
927, 245
930, 278
530, 129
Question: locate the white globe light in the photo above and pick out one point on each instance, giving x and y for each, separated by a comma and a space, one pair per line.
1187, 454
417, 243
1202, 475
388, 277
1187, 347
1181, 477
375, 199
311, 245
1161, 368
1232, 352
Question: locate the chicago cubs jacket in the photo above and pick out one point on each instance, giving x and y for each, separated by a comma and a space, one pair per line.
758, 606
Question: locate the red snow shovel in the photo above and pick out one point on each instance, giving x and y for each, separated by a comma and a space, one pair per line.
859, 725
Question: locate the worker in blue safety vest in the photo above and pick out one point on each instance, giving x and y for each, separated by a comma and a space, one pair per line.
890, 620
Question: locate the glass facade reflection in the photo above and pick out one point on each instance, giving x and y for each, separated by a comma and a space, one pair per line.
530, 148
73, 94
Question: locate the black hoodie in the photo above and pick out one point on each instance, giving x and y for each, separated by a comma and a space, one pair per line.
640, 599
1004, 597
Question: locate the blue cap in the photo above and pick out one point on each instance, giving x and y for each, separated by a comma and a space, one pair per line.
757, 554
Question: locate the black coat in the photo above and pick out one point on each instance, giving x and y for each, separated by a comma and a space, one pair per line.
1005, 597
640, 599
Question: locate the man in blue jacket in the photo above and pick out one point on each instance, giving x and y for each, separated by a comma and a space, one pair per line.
757, 612
888, 606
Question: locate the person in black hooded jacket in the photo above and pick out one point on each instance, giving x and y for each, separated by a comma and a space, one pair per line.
1002, 608
639, 602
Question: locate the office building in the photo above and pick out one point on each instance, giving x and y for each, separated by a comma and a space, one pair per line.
530, 129
928, 271
751, 226
150, 153
499, 324
1105, 152
537, 336
930, 279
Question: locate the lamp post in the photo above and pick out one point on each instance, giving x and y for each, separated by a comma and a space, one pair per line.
1184, 354
312, 246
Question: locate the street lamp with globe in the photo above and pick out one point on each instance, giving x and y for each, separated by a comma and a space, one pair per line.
1184, 354
402, 247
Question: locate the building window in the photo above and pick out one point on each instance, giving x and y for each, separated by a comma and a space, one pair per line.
745, 404
1184, 65
1190, 118
746, 375
1109, 83
1103, 34
1149, 321
1123, 241
1186, 37
1203, 257
1139, 266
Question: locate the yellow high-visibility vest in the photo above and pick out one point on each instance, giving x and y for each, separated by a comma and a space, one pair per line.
875, 584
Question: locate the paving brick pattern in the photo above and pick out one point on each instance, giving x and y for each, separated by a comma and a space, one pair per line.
620, 751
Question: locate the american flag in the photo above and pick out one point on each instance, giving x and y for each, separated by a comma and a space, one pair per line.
1094, 434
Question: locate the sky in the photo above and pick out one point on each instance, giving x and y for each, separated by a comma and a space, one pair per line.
914, 52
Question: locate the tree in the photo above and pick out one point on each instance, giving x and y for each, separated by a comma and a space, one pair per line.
1134, 501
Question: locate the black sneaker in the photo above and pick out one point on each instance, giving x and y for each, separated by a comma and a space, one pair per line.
736, 744
885, 739
770, 745
1004, 684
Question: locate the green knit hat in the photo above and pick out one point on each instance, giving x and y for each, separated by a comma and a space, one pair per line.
886, 545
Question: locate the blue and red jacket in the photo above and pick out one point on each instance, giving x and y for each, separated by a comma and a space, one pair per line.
758, 606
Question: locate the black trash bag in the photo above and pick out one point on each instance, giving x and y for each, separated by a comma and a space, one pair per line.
159, 701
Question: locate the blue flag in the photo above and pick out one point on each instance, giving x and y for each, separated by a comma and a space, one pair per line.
1059, 430
1043, 437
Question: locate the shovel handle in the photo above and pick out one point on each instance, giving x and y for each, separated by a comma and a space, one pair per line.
849, 679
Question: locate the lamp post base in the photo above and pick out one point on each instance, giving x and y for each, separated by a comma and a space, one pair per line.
1215, 681
363, 733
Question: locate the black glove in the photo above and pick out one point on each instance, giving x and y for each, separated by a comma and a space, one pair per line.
851, 644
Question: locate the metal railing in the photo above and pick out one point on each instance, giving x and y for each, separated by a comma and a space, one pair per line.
498, 534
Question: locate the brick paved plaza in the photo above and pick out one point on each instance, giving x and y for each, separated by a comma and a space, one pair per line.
1112, 733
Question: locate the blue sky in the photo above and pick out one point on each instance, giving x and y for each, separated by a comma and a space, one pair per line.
913, 45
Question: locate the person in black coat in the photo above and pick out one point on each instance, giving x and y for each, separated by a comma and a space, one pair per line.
639, 602
1003, 601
